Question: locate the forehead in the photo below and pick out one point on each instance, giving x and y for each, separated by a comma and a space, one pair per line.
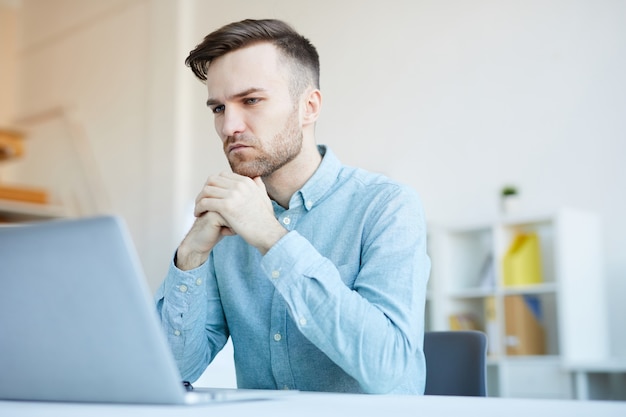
255, 66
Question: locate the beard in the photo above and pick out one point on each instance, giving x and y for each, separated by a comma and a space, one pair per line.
284, 148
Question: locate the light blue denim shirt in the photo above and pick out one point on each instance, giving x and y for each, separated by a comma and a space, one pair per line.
336, 305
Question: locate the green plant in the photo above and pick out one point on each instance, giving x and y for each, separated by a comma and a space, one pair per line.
508, 190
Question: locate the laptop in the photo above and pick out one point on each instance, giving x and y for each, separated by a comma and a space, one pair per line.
78, 322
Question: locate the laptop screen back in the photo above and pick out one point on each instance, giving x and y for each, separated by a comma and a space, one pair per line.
77, 322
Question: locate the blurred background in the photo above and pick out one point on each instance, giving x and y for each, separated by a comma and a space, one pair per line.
456, 98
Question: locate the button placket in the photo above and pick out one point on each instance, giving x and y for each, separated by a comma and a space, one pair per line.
279, 346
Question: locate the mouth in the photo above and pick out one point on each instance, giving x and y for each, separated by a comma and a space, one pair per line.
236, 147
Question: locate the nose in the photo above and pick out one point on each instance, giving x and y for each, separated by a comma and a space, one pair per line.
231, 123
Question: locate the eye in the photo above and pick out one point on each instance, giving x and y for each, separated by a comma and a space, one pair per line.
252, 100
218, 109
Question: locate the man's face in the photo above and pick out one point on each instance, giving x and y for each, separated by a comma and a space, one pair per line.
255, 115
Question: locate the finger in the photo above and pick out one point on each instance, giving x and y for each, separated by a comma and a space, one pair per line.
226, 179
225, 229
211, 191
231, 179
219, 220
220, 186
207, 204
199, 211
259, 183
221, 180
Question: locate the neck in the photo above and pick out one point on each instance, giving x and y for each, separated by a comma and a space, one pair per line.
282, 184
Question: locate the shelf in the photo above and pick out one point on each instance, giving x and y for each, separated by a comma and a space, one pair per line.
472, 293
527, 220
560, 309
545, 288
552, 359
521, 359
14, 211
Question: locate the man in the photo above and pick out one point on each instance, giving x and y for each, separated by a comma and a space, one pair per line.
316, 270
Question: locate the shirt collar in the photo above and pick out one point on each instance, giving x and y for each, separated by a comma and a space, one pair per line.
322, 180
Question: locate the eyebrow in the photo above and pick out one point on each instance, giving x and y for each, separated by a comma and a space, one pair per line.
212, 102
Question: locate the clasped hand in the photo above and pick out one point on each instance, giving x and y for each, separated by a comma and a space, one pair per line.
229, 204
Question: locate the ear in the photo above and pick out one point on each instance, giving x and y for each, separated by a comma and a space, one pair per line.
311, 106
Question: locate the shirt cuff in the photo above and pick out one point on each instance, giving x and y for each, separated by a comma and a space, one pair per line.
292, 256
179, 285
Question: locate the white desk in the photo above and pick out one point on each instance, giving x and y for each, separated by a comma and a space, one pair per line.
598, 379
330, 405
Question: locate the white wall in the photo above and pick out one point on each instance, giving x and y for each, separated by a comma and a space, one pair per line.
458, 98
8, 61
455, 98
111, 67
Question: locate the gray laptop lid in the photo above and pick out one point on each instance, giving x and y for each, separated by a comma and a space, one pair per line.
77, 321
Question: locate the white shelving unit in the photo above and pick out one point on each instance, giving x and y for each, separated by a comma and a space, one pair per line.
571, 295
18, 212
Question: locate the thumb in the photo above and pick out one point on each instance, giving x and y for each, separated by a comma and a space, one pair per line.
259, 182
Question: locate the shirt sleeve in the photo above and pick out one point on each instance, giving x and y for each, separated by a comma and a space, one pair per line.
373, 331
188, 304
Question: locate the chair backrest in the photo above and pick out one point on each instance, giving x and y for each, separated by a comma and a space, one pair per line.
456, 363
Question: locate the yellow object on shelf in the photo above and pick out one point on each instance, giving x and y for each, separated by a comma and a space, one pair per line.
491, 326
463, 321
522, 262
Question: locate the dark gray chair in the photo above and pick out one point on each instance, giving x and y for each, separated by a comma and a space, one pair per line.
456, 363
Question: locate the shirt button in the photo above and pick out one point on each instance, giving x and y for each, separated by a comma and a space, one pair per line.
199, 281
308, 205
286, 220
176, 332
302, 321
275, 274
183, 288
277, 337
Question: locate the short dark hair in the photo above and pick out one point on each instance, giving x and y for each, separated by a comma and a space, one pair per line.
301, 54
